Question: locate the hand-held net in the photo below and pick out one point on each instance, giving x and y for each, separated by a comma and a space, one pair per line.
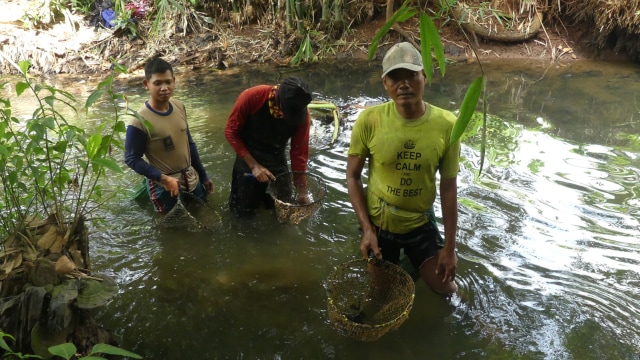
368, 298
190, 212
297, 195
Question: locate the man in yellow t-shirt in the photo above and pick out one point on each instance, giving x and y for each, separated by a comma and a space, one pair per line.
406, 141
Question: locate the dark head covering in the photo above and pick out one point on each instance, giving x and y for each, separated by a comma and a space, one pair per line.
294, 96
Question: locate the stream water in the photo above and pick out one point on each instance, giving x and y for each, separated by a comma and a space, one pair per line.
549, 257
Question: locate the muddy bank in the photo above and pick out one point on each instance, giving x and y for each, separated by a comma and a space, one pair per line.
72, 46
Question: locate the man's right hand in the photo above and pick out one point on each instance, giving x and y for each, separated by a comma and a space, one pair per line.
261, 173
369, 243
170, 184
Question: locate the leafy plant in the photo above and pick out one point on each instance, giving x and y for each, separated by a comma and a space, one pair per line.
83, 6
68, 351
48, 165
7, 353
43, 13
305, 53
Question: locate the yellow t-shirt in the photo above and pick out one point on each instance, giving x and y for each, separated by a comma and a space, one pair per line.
404, 156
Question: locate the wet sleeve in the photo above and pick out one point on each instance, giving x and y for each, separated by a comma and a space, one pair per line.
239, 113
134, 146
358, 144
299, 152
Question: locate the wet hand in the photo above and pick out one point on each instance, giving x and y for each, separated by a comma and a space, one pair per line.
369, 245
447, 265
170, 184
261, 173
303, 199
208, 186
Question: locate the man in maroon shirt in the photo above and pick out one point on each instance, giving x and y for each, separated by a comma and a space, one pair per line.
259, 127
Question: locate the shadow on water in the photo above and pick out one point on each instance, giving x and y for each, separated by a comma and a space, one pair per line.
549, 262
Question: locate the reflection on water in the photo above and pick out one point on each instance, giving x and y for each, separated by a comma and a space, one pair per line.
549, 259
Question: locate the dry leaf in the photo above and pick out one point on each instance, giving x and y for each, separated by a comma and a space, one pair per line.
65, 266
17, 260
48, 238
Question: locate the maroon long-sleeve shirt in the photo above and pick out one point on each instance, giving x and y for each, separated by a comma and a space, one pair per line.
247, 104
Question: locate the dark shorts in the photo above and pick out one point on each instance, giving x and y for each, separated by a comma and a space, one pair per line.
163, 201
418, 244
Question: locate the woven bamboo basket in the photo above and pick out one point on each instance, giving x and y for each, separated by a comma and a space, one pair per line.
368, 298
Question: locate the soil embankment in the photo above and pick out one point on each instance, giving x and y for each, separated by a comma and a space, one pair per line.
72, 46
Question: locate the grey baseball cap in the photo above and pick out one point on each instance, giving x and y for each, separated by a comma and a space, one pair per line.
401, 56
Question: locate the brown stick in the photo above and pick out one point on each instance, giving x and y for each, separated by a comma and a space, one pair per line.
396, 26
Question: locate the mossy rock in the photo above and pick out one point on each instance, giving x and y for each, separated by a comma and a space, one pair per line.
95, 293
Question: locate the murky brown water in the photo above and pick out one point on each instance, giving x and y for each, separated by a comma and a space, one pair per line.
549, 259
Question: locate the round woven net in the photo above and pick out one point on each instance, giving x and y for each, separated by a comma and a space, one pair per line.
368, 298
297, 195
190, 212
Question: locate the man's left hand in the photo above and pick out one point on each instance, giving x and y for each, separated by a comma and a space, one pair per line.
208, 186
447, 264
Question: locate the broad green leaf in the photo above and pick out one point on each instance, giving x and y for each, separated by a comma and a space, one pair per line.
106, 144
431, 32
425, 47
321, 105
484, 132
24, 66
66, 350
63, 178
67, 103
22, 187
50, 88
4, 152
113, 350
60, 146
120, 126
82, 163
49, 122
146, 123
119, 67
92, 358
3, 344
139, 117
21, 87
98, 191
66, 94
95, 96
49, 100
93, 145
402, 14
108, 164
106, 83
12, 177
38, 130
70, 133
467, 108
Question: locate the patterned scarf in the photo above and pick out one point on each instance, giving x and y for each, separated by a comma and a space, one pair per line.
274, 108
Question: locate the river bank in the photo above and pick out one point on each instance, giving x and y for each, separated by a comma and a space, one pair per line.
72, 46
